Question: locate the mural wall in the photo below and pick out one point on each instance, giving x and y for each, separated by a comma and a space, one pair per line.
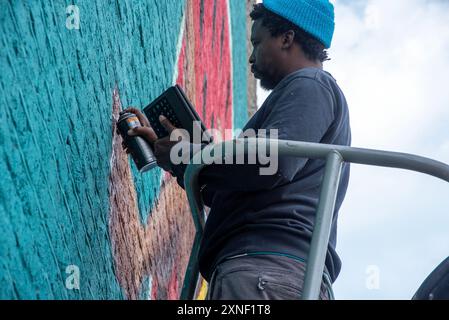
77, 221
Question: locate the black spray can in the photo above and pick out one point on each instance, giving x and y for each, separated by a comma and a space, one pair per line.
139, 148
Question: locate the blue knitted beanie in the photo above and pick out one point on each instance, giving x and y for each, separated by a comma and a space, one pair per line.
314, 16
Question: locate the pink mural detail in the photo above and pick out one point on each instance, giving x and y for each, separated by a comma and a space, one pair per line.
146, 250
161, 248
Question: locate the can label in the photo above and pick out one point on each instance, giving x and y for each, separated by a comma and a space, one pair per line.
133, 122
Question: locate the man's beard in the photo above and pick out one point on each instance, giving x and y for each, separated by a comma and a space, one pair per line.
267, 83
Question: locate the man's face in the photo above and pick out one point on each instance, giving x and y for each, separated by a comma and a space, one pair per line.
265, 59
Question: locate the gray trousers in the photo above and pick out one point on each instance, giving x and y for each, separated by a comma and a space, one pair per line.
260, 277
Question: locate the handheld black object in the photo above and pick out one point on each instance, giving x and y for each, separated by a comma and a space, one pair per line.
175, 106
140, 149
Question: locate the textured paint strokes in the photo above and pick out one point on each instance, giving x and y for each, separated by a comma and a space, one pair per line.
55, 135
160, 250
155, 249
69, 197
208, 29
205, 66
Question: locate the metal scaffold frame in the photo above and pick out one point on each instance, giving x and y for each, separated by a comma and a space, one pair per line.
334, 155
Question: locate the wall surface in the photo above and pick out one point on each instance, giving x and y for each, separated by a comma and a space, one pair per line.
77, 221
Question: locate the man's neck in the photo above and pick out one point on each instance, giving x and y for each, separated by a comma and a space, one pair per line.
304, 64
301, 65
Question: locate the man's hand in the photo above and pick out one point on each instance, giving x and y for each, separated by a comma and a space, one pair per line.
161, 147
145, 131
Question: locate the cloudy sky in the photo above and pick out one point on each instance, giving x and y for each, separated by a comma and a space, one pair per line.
391, 58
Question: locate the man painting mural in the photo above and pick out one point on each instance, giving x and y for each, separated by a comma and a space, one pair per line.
258, 232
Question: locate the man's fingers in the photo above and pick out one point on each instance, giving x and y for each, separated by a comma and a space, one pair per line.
142, 118
145, 132
166, 124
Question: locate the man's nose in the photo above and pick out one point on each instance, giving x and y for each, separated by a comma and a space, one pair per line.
251, 59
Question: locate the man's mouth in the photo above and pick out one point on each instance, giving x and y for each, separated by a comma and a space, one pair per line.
254, 71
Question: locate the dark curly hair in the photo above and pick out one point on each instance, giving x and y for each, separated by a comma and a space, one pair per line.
312, 47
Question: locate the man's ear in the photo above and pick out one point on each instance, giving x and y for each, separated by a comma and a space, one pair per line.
287, 39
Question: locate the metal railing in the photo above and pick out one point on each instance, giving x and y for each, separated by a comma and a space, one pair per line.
334, 155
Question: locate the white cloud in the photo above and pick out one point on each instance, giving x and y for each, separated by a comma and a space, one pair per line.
391, 59
392, 62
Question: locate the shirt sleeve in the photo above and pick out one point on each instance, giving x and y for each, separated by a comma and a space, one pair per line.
303, 112
179, 170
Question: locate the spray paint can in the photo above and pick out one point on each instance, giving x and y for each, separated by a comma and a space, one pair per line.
139, 148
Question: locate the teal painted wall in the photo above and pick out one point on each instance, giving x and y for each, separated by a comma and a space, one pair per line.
239, 62
56, 95
56, 88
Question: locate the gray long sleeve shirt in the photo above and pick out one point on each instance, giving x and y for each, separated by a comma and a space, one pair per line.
253, 213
